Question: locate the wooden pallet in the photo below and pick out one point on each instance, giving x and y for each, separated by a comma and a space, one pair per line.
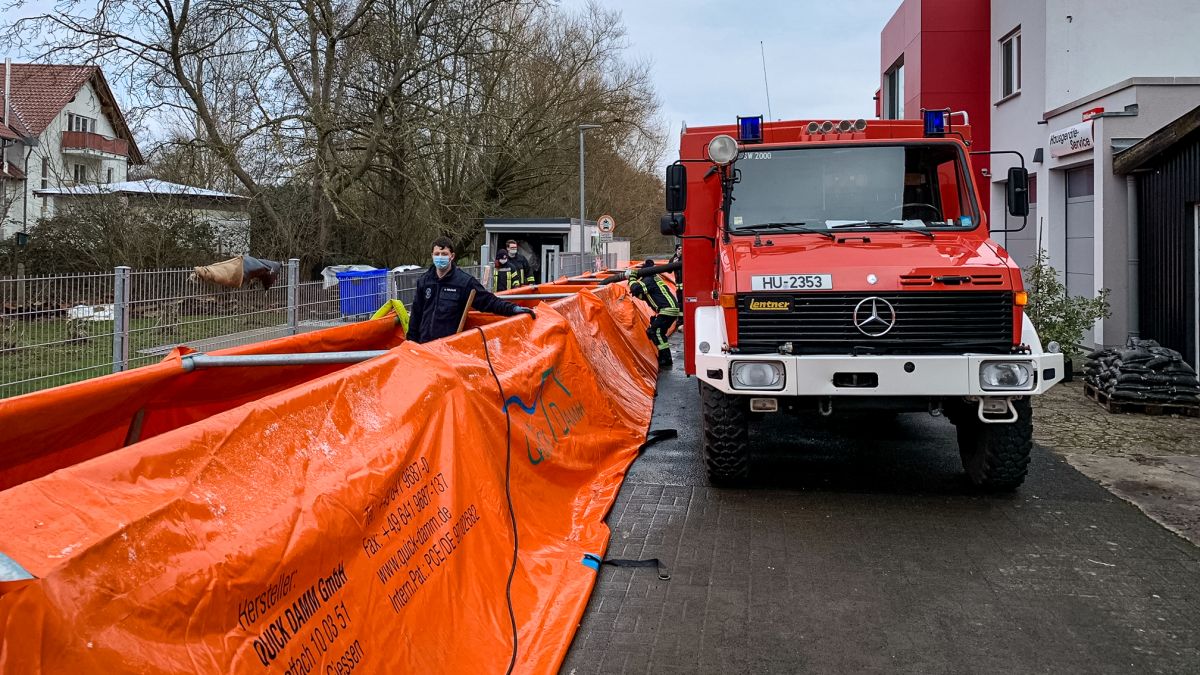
1134, 407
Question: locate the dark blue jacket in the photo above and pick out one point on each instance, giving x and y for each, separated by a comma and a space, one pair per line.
439, 304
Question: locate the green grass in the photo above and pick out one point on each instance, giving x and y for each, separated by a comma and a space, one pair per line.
44, 356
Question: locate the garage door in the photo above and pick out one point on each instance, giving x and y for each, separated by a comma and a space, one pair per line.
1081, 232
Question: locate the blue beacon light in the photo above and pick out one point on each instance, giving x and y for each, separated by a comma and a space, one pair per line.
936, 122
750, 129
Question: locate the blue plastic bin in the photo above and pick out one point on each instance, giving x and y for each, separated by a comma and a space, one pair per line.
362, 292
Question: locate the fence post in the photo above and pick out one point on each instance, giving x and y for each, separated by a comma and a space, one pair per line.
392, 289
121, 293
293, 295
21, 287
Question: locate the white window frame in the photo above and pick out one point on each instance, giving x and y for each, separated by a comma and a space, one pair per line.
79, 173
1010, 64
81, 123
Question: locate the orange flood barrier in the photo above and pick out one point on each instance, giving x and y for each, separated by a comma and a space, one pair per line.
359, 522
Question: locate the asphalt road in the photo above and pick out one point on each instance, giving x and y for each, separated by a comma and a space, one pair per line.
862, 549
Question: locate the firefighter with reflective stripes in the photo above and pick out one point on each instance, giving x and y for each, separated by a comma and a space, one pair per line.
506, 275
653, 290
678, 257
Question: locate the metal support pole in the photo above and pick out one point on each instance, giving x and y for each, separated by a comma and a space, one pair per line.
582, 210
293, 296
582, 196
534, 296
121, 293
392, 288
193, 361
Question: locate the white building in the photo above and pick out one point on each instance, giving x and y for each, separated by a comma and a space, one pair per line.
224, 213
1075, 81
62, 127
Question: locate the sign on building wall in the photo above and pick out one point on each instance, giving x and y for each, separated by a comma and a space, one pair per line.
1071, 140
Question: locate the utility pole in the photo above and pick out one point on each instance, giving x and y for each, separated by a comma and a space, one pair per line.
582, 210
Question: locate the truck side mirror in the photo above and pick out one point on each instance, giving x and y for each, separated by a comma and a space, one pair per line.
1017, 194
676, 188
671, 225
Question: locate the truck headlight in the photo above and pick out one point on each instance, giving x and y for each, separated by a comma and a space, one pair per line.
766, 375
1006, 375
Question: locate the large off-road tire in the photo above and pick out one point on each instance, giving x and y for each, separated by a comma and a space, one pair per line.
996, 456
726, 436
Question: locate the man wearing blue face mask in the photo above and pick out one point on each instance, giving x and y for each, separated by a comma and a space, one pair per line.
442, 294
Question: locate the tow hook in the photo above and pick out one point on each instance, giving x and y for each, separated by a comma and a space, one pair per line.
825, 406
996, 405
935, 408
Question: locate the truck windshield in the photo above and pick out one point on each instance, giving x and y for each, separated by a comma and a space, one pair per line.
858, 187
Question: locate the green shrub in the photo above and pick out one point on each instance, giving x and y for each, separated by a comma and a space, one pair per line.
1057, 315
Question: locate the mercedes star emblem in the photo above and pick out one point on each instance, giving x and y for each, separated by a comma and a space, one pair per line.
874, 317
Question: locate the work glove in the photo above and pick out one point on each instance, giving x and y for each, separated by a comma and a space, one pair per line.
631, 274
526, 310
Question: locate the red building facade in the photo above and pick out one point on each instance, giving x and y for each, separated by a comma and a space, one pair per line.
936, 54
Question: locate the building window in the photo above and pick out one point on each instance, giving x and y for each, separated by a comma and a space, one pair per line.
893, 92
1010, 64
80, 123
79, 173
45, 172
108, 175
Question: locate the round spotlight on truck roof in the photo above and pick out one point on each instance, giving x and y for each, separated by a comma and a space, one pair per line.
722, 149
826, 127
860, 125
813, 127
845, 126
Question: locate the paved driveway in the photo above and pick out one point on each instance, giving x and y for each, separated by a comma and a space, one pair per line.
863, 551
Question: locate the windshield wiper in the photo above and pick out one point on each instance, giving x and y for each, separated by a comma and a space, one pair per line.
882, 225
796, 227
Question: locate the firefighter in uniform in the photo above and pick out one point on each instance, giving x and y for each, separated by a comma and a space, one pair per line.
655, 293
678, 257
517, 262
506, 276
442, 294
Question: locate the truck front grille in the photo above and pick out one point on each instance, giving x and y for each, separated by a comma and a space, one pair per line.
926, 322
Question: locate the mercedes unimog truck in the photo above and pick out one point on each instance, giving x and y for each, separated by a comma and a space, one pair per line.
836, 266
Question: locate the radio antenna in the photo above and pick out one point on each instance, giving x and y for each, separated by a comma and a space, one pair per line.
767, 87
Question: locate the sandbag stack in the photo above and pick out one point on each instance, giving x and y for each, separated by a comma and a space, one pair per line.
1143, 372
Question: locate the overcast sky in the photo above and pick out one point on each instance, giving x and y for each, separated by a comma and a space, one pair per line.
822, 57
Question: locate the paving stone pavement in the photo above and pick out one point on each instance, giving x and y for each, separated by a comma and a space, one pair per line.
861, 550
1152, 461
1070, 422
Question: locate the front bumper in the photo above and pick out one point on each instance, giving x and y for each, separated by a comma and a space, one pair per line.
944, 375
952, 375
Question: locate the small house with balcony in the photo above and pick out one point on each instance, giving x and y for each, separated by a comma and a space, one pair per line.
62, 128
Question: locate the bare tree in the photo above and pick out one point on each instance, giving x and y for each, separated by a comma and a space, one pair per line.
362, 127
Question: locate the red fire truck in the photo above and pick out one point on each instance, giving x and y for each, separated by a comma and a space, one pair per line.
834, 266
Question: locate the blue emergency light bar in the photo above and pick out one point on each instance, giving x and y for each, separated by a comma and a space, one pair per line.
937, 122
750, 129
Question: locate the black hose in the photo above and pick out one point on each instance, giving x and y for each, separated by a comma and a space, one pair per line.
512, 512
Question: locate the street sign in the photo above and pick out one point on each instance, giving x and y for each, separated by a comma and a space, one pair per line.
606, 224
606, 237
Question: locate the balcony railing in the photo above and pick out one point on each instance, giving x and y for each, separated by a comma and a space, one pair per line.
90, 143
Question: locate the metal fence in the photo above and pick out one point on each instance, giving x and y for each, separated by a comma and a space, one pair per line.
56, 330
574, 264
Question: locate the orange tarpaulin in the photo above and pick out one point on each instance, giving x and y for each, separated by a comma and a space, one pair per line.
359, 522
